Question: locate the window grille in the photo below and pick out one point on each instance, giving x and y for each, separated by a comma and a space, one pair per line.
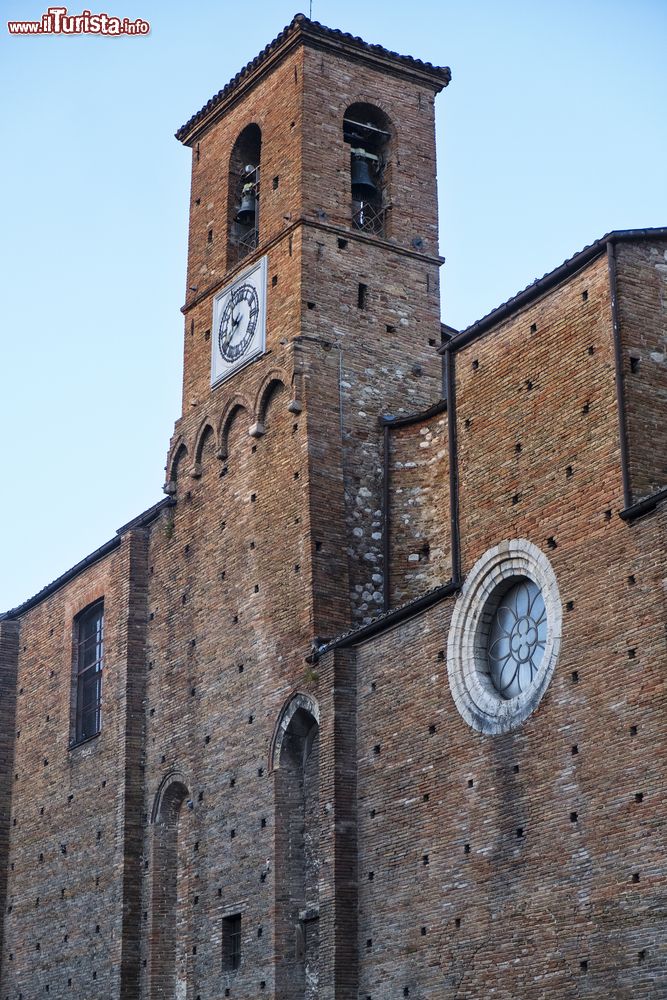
231, 941
369, 217
243, 241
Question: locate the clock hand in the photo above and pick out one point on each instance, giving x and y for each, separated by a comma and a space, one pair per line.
229, 333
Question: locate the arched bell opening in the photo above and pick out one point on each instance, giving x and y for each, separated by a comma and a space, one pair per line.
298, 856
243, 194
367, 130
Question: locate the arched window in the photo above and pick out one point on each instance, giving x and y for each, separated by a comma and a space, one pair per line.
298, 850
366, 130
243, 194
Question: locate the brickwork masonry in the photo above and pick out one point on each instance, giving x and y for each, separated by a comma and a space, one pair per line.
283, 799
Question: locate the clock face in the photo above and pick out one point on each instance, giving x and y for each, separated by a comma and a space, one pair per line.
239, 322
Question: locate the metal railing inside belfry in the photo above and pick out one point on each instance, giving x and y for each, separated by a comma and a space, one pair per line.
244, 236
243, 242
369, 217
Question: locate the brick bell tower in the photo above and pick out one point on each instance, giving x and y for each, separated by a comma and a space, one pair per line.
312, 308
313, 277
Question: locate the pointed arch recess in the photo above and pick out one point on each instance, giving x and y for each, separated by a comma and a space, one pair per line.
230, 413
170, 923
206, 428
267, 387
296, 774
200, 438
178, 453
172, 789
293, 704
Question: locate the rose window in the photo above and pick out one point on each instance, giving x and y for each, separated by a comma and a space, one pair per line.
517, 638
504, 636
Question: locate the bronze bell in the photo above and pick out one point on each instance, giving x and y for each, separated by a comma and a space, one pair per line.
248, 207
363, 186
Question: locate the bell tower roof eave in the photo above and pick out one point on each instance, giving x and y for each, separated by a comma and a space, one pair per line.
302, 31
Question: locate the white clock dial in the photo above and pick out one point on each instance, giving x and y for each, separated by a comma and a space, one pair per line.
239, 322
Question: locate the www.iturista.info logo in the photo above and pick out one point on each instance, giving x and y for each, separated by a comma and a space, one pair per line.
56, 21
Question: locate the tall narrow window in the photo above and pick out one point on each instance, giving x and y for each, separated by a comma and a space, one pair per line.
366, 130
88, 662
243, 194
231, 941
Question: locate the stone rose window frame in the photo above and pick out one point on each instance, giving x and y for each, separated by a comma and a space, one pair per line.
475, 696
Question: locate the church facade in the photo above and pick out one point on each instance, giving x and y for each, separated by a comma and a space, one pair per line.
372, 705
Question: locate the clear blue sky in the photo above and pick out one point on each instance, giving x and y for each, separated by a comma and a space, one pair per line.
551, 133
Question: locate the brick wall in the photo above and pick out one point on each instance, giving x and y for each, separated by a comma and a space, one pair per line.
537, 423
372, 844
9, 646
387, 364
73, 863
451, 897
229, 622
419, 518
527, 863
642, 301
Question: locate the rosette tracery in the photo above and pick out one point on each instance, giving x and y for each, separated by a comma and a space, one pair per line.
517, 639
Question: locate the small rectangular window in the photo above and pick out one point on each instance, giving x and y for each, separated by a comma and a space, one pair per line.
88, 664
231, 941
362, 295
